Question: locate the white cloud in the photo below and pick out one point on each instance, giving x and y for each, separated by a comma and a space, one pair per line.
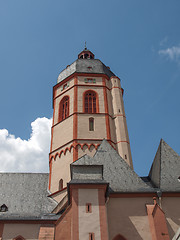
18, 155
172, 53
163, 41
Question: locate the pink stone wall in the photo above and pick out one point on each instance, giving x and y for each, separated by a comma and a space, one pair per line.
128, 217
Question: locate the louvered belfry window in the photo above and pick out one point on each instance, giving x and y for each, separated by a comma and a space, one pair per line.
64, 108
90, 102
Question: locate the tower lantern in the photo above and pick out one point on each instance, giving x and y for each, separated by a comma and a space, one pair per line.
86, 54
88, 107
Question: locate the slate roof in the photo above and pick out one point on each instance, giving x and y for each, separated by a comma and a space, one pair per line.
87, 181
116, 171
165, 169
25, 195
85, 66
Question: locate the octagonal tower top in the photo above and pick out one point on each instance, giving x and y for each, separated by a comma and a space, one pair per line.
85, 64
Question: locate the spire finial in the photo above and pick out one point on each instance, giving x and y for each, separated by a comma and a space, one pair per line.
85, 48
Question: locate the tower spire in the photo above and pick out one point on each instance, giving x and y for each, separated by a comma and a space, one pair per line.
85, 48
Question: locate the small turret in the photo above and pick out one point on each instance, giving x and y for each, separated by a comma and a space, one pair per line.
86, 54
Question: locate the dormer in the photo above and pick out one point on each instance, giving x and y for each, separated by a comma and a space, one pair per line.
3, 208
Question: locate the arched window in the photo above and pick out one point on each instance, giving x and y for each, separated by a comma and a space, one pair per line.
119, 237
86, 55
64, 108
90, 102
19, 238
91, 124
60, 184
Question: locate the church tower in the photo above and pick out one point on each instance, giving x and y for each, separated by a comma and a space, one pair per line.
88, 107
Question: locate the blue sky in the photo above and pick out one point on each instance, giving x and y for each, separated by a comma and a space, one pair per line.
139, 40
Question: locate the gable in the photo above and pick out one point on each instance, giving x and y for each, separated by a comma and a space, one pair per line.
116, 171
165, 170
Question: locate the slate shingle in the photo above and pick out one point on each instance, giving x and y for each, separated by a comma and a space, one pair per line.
25, 195
165, 169
85, 66
116, 171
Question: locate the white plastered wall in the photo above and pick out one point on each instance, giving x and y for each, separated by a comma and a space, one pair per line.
59, 89
112, 130
88, 222
81, 80
62, 133
85, 150
99, 127
61, 169
122, 136
110, 104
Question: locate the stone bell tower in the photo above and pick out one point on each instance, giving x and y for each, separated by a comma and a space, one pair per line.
88, 107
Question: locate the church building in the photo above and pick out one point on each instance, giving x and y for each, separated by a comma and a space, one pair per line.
91, 191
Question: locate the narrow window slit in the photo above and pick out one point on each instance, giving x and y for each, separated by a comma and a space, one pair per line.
91, 124
91, 236
60, 184
88, 208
